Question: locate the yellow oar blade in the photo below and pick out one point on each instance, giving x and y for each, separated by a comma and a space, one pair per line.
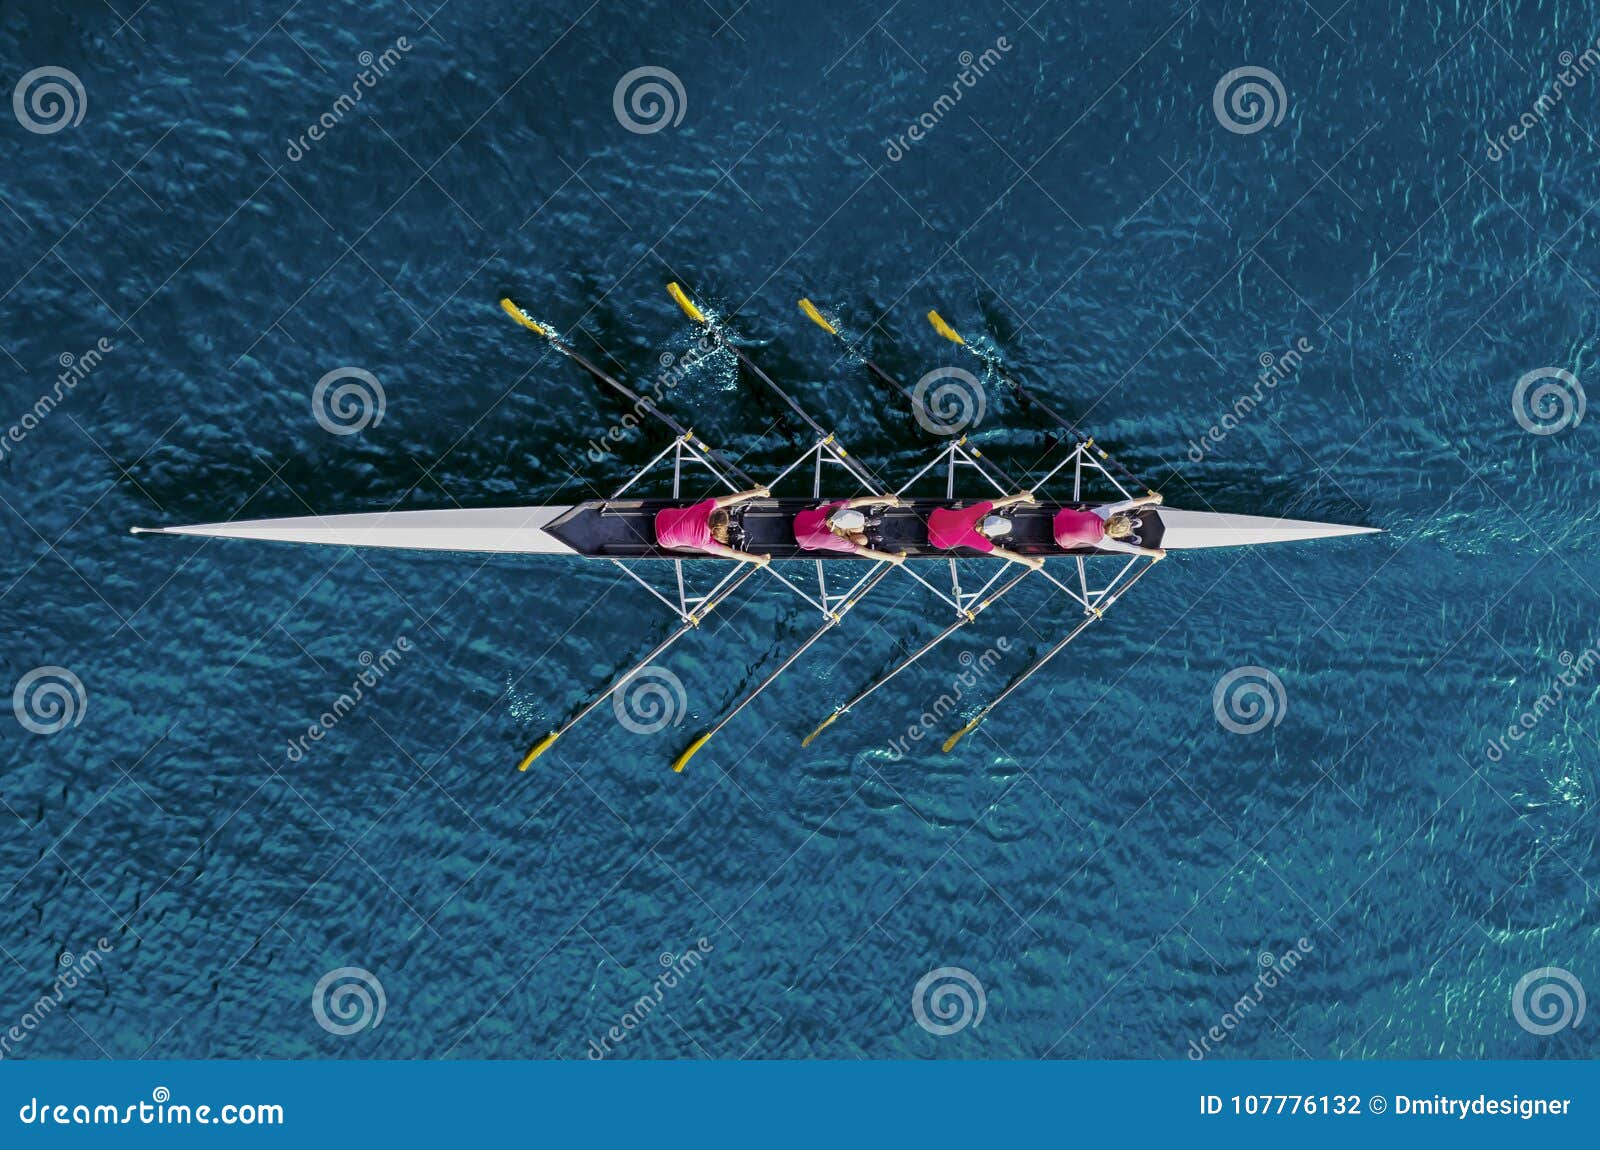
826, 723
687, 304
945, 329
523, 318
817, 317
963, 732
683, 760
539, 748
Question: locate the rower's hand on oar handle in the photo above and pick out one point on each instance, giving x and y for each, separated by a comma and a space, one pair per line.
761, 560
897, 558
1156, 499
1158, 555
1027, 497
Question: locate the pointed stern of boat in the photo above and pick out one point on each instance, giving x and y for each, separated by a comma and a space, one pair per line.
505, 530
1193, 530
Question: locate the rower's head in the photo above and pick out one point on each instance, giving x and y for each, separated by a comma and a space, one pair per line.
847, 521
1119, 526
994, 526
719, 526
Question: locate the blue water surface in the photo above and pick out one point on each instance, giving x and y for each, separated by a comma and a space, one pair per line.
1108, 868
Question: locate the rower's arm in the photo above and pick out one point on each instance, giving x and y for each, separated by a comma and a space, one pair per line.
722, 551
1126, 548
1013, 500
1017, 557
739, 497
1111, 509
871, 501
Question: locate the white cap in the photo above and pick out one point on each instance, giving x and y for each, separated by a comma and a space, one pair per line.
846, 519
995, 525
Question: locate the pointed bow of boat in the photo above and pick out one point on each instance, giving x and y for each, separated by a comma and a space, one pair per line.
1189, 530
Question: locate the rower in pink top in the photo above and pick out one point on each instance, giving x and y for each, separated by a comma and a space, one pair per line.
976, 526
840, 526
703, 528
1107, 528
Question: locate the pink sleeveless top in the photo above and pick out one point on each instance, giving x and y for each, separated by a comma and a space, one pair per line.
1078, 528
949, 528
811, 530
686, 528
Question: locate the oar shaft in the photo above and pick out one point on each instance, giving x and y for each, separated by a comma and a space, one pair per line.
883, 377
944, 329
833, 621
1059, 647
788, 662
937, 639
624, 390
617, 683
699, 317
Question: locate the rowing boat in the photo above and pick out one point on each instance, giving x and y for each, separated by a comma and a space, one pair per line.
620, 529
623, 529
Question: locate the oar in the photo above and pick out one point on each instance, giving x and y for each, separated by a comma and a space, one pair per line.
814, 314
623, 389
833, 620
694, 621
699, 317
950, 333
816, 317
1041, 661
968, 616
